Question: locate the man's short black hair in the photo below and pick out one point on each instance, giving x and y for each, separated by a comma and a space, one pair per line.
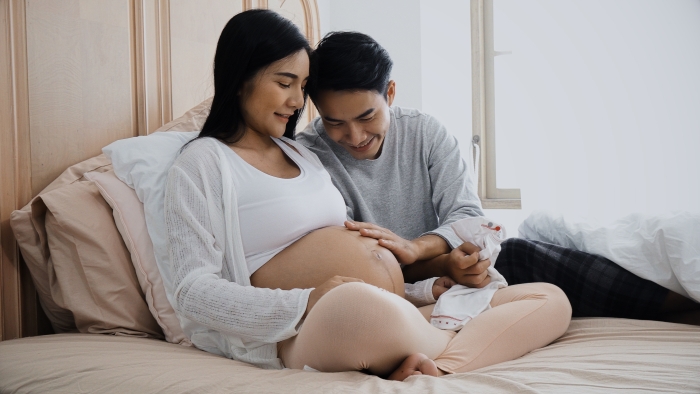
349, 61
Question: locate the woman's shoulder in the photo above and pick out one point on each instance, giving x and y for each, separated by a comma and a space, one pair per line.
200, 158
200, 149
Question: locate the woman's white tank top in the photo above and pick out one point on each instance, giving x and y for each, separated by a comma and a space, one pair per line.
275, 212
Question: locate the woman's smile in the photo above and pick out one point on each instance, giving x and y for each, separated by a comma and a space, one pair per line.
283, 118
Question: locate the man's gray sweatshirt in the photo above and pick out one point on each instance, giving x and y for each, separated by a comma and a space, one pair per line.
418, 185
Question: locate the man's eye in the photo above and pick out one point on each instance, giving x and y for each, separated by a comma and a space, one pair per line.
367, 119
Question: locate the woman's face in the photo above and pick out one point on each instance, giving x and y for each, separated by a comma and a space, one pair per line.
274, 93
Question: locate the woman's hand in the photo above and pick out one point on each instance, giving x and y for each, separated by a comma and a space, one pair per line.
324, 288
441, 285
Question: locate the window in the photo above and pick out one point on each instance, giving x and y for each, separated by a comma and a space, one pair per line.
483, 109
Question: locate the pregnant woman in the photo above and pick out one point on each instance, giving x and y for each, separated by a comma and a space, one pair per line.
264, 270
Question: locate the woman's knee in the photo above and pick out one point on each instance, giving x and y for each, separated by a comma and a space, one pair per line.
360, 306
558, 307
359, 326
555, 308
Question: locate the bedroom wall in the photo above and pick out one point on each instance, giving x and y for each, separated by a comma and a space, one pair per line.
395, 24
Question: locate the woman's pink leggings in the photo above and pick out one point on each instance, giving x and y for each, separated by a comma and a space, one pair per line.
357, 326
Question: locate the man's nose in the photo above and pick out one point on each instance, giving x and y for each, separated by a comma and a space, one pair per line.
355, 134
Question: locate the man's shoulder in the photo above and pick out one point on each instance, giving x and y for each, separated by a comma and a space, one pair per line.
418, 123
311, 134
404, 114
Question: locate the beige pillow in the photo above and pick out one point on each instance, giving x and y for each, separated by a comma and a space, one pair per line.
192, 120
94, 277
28, 223
130, 220
28, 228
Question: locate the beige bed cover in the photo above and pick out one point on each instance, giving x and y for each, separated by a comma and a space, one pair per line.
594, 356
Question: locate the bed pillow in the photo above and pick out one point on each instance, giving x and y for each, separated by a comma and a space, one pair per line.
28, 226
192, 120
94, 277
143, 163
130, 220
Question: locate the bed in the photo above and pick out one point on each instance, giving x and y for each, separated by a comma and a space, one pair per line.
594, 356
82, 309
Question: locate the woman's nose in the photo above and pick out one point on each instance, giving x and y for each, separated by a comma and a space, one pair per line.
296, 100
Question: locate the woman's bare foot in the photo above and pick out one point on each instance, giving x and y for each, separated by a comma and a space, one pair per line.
415, 364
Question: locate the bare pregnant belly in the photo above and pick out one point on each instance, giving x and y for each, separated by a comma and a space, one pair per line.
326, 252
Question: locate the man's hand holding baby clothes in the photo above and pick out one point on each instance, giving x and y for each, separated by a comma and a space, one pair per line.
462, 264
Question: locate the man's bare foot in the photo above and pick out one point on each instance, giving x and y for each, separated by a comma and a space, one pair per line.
415, 364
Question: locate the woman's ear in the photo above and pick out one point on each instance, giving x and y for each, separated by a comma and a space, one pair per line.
390, 92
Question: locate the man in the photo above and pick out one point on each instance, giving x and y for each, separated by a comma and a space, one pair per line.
404, 182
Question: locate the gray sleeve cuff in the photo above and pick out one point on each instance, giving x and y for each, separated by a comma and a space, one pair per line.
445, 232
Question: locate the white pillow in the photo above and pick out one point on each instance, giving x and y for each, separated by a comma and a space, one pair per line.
143, 164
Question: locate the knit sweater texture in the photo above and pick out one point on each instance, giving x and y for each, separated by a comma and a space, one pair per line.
217, 306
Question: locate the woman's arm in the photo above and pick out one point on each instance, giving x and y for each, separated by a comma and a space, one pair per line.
205, 290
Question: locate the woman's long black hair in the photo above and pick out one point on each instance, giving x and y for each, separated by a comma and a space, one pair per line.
249, 42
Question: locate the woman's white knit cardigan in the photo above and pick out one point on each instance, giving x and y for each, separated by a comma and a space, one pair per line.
218, 308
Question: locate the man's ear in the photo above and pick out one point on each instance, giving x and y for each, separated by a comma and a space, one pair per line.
390, 92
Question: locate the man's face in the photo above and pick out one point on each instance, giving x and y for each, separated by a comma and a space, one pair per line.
356, 120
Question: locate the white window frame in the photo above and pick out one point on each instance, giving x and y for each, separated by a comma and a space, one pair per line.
483, 110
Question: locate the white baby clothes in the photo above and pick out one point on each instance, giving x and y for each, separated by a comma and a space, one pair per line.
458, 305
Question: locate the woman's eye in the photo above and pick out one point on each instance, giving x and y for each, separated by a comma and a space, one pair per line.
285, 86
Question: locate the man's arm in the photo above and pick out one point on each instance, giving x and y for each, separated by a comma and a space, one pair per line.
462, 265
452, 189
430, 256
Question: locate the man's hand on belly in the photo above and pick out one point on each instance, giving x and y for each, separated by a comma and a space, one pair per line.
406, 252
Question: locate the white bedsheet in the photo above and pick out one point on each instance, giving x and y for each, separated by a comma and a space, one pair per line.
664, 248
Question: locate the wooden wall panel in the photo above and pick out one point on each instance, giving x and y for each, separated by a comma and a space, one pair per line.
18, 315
80, 81
151, 26
195, 27
9, 301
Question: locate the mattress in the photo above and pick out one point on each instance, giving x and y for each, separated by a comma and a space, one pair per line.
595, 356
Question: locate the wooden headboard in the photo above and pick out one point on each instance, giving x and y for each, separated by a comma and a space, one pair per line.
76, 75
